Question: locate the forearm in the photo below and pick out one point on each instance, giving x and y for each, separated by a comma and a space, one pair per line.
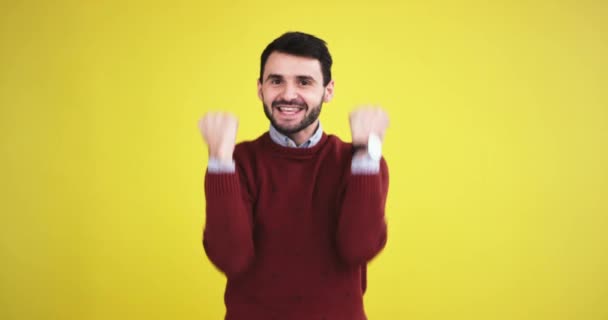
227, 237
362, 230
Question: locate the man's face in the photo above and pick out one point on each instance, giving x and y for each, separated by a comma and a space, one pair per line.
292, 92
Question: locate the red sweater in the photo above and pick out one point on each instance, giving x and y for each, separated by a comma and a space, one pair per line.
293, 230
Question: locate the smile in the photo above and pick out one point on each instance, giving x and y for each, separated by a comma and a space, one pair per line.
289, 109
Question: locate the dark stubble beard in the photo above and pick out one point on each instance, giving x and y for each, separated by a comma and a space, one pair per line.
309, 119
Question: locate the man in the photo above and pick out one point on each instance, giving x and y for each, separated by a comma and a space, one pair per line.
294, 216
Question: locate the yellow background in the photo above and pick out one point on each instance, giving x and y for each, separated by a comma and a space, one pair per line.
498, 151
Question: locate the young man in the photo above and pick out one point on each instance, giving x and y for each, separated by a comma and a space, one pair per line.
294, 216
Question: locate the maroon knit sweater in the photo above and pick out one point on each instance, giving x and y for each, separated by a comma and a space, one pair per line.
293, 230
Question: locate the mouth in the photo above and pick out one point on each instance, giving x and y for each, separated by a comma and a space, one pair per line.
289, 110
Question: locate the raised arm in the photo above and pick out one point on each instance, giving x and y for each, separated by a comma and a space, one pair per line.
362, 229
227, 237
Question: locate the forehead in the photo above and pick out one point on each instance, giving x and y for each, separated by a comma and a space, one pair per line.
290, 66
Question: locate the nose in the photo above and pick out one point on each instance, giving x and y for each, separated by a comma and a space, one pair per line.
289, 92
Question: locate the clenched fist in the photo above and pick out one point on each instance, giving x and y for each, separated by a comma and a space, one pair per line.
219, 132
365, 121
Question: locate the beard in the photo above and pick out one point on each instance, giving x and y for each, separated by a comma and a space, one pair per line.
310, 118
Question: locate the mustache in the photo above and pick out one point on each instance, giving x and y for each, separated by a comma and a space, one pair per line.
289, 103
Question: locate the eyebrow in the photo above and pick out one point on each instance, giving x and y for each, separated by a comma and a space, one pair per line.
274, 76
309, 78
278, 76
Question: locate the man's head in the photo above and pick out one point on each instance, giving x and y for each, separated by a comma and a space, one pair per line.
295, 80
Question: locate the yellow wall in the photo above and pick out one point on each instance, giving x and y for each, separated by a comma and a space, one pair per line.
498, 207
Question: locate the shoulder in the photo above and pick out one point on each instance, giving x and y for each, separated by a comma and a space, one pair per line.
250, 146
247, 158
338, 145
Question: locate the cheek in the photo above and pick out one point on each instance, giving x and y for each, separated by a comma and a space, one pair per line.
268, 96
313, 99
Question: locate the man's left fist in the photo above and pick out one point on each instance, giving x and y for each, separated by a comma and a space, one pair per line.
365, 121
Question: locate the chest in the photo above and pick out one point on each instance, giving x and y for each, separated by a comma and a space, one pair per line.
298, 198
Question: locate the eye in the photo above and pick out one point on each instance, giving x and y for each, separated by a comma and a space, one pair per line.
305, 82
275, 81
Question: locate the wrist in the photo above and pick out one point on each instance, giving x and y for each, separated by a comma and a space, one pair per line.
221, 157
372, 148
359, 151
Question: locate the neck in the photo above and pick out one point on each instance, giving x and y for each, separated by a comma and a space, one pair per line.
304, 134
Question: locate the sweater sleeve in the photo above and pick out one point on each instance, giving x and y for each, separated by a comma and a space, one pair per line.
227, 238
362, 230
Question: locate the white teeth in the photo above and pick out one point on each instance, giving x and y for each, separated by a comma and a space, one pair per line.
289, 109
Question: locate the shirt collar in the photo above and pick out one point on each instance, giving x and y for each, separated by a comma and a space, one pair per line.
285, 141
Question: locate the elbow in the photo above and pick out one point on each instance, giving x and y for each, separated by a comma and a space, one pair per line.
229, 261
238, 266
361, 250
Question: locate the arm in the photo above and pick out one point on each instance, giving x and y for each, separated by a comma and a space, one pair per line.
362, 230
227, 238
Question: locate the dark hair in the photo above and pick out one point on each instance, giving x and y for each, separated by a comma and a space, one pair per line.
302, 45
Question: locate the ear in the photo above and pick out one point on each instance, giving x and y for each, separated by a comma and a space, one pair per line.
260, 95
329, 91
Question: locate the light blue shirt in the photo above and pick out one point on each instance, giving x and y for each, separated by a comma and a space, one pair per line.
285, 141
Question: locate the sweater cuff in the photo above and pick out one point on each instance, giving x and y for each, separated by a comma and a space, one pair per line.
219, 184
367, 186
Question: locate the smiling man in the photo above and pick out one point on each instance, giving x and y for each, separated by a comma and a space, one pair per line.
294, 216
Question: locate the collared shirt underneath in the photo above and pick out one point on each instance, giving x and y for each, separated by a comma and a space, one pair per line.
285, 141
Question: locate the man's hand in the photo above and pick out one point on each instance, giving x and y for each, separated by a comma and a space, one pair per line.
219, 132
365, 121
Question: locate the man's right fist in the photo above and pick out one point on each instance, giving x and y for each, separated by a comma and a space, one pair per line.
219, 132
